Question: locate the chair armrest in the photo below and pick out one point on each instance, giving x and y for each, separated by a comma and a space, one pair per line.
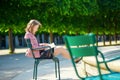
109, 60
44, 47
104, 61
112, 59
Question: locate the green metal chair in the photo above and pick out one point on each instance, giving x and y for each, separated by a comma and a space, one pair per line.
83, 46
37, 60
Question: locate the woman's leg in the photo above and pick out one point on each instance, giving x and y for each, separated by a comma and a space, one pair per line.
61, 51
65, 54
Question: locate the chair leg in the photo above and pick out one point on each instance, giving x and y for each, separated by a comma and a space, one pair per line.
35, 69
36, 72
57, 67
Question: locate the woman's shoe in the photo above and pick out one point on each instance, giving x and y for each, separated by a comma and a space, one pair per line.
76, 60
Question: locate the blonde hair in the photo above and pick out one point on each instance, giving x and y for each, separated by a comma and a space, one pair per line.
31, 25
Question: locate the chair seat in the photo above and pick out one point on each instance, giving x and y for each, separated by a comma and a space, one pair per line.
112, 76
45, 58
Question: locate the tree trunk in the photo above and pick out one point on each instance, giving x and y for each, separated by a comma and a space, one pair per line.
51, 37
110, 39
103, 39
115, 38
11, 46
97, 39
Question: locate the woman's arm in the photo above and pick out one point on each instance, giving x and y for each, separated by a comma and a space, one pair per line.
43, 44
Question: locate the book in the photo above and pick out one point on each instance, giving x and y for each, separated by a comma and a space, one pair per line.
52, 45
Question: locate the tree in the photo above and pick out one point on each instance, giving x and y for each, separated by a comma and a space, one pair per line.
61, 16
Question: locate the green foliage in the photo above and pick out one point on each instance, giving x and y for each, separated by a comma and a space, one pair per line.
61, 16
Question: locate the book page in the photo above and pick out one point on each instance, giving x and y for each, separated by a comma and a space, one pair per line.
52, 45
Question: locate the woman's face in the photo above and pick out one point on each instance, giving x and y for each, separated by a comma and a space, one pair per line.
35, 29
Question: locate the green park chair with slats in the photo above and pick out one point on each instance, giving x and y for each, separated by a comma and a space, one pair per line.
84, 46
37, 60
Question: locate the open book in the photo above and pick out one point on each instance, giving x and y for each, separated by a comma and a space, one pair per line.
52, 45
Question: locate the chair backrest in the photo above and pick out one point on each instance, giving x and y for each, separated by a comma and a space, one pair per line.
29, 45
28, 42
81, 45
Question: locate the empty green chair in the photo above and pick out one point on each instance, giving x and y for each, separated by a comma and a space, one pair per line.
37, 60
84, 46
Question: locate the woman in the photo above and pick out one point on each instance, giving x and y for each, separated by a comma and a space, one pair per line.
31, 29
